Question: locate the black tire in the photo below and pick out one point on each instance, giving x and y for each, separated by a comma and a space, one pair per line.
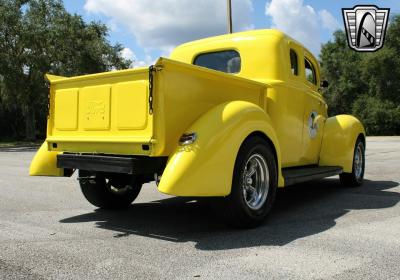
109, 192
239, 210
356, 177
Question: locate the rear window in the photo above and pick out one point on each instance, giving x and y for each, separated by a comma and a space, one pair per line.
294, 62
225, 61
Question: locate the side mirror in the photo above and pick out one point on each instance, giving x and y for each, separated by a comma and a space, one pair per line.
324, 84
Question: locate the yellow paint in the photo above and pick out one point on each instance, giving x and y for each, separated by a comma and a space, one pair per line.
291, 98
95, 107
205, 168
184, 93
109, 112
66, 109
261, 52
53, 78
340, 135
132, 108
45, 163
100, 113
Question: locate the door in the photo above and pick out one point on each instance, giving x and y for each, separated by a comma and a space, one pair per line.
314, 112
287, 108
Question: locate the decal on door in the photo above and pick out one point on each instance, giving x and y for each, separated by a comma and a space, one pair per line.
313, 124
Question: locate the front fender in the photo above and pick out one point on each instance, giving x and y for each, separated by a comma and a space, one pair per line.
205, 168
338, 142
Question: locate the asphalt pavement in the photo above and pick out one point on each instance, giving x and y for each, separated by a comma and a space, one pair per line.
317, 230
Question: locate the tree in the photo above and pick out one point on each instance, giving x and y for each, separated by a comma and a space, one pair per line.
365, 84
379, 116
38, 37
381, 69
340, 66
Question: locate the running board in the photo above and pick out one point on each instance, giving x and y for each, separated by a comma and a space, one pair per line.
294, 175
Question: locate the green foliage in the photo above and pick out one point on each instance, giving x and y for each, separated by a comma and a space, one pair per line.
38, 37
380, 116
365, 84
340, 66
381, 72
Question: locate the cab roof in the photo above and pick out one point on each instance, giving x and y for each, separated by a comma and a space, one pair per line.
256, 47
252, 34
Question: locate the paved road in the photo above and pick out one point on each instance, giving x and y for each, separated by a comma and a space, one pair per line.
317, 230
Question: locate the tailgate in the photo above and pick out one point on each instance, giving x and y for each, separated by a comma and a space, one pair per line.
101, 113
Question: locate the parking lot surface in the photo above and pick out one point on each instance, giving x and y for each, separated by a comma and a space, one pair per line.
317, 230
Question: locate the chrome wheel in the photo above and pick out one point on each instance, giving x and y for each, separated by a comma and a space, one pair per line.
359, 161
255, 181
356, 176
254, 184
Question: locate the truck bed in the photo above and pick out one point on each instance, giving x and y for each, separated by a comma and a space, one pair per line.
116, 113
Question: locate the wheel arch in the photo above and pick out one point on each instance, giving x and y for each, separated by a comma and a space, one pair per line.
266, 139
205, 168
363, 139
339, 138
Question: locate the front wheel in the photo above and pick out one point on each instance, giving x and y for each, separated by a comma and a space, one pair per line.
356, 177
109, 191
254, 184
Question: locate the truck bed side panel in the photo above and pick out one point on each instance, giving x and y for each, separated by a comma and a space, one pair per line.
184, 92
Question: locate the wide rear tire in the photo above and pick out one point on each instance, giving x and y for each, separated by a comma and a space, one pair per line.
109, 192
254, 184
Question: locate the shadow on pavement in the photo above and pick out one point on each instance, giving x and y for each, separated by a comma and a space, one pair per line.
299, 211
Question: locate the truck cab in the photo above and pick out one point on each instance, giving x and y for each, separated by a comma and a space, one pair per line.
233, 116
294, 96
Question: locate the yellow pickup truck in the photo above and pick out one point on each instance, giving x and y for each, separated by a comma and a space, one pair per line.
233, 116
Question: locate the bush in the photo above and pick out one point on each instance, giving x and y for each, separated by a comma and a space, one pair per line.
380, 117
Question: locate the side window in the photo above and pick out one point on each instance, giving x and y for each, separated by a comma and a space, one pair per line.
294, 64
225, 61
310, 72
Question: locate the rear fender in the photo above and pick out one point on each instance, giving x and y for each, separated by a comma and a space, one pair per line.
205, 168
338, 142
45, 163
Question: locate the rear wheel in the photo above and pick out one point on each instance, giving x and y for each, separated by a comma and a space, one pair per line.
356, 177
109, 191
254, 184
